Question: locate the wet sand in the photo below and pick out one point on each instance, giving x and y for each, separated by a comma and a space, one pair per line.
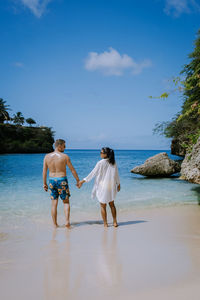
153, 254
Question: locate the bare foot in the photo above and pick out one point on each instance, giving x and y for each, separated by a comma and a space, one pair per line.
68, 225
105, 224
115, 224
55, 225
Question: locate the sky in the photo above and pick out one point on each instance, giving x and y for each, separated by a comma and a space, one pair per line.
87, 68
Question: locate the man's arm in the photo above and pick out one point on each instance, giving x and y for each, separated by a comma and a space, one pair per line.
69, 164
45, 168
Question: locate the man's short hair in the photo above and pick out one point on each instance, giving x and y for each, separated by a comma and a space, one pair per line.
59, 142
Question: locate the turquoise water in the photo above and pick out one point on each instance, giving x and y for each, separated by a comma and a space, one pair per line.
22, 195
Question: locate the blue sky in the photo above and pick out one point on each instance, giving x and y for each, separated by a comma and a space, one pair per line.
87, 68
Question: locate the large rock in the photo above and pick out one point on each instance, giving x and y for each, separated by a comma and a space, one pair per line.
190, 169
159, 165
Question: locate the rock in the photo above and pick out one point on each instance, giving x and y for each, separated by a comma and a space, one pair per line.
159, 165
177, 148
190, 169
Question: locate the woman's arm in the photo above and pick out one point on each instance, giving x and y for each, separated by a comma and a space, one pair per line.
92, 174
117, 178
117, 175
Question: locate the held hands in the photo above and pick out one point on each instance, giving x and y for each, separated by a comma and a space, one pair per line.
80, 183
77, 183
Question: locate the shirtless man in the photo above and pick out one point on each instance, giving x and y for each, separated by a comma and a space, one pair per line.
56, 162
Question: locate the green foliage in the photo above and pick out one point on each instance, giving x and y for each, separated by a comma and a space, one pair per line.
160, 128
4, 115
30, 121
179, 87
185, 126
164, 95
192, 139
18, 118
22, 139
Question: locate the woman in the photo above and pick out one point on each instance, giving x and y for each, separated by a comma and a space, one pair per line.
107, 183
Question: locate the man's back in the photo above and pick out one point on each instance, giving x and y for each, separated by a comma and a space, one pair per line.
56, 162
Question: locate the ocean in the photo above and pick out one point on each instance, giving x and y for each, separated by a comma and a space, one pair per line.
22, 195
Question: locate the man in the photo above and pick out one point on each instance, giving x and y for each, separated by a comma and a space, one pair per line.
56, 162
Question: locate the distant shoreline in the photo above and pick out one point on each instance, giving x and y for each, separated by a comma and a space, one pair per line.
45, 152
25, 139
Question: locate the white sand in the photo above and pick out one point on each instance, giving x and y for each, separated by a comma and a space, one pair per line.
153, 254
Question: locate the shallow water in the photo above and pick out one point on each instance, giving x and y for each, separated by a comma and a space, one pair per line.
22, 196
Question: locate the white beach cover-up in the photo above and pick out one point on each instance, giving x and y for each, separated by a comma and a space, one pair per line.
106, 181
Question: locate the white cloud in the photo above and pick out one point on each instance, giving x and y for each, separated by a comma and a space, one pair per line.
37, 7
112, 63
177, 7
18, 64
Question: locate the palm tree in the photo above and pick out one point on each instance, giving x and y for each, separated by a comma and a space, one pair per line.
4, 115
18, 118
30, 121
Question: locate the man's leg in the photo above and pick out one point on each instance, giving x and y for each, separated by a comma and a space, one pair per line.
67, 211
104, 214
54, 204
114, 213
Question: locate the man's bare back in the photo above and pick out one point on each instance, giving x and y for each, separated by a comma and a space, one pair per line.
56, 163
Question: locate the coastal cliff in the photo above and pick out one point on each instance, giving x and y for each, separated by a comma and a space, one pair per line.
184, 129
24, 139
187, 140
177, 148
190, 168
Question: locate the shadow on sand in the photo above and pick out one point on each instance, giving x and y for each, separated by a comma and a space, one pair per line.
77, 224
131, 222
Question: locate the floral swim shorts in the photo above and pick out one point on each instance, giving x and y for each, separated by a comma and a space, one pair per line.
58, 186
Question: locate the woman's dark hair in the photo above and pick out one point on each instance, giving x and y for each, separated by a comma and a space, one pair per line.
110, 154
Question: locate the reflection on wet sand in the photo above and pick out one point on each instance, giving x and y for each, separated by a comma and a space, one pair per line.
57, 266
109, 268
73, 269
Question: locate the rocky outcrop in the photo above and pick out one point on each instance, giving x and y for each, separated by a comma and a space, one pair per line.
190, 169
177, 148
159, 165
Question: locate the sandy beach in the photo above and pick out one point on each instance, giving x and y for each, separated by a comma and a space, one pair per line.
153, 254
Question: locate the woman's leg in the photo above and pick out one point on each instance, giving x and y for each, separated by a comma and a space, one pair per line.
114, 213
104, 214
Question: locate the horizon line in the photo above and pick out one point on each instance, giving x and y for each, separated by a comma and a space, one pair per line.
97, 149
